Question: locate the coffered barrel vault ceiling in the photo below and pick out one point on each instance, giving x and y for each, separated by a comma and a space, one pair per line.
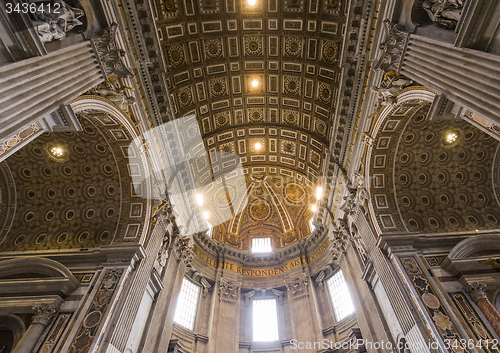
266, 73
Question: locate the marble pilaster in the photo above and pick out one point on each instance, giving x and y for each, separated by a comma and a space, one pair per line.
477, 291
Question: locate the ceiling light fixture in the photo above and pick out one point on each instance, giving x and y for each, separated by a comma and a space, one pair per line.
319, 192
451, 137
199, 199
258, 146
255, 83
57, 151
252, 2
314, 208
206, 215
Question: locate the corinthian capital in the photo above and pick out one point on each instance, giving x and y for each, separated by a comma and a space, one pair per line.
393, 47
476, 290
229, 291
298, 287
110, 55
45, 313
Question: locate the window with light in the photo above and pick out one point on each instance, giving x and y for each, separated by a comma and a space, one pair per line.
339, 295
185, 311
265, 320
210, 229
261, 245
311, 225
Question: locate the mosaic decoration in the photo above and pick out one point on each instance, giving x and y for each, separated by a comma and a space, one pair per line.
432, 304
84, 278
17, 139
435, 260
55, 333
474, 322
90, 324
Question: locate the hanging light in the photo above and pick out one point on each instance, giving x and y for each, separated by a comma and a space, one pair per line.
314, 208
206, 215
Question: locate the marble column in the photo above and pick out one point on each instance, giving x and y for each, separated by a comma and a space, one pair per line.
467, 77
43, 315
470, 78
477, 291
35, 87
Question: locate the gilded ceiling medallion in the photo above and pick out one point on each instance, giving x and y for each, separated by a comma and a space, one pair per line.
260, 210
213, 48
176, 55
294, 193
330, 50
293, 46
223, 195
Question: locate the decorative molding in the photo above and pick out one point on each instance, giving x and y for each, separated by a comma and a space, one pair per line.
183, 249
248, 296
110, 56
320, 280
279, 294
393, 48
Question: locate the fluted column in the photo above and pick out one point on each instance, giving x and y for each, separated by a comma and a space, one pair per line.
468, 77
43, 315
477, 291
32, 88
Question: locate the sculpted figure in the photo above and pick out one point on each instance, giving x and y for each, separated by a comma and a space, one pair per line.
119, 99
115, 92
390, 88
444, 12
53, 22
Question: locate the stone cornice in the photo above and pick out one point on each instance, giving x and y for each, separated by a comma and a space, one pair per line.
68, 257
246, 259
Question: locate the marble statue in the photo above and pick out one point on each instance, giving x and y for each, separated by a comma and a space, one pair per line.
52, 22
445, 12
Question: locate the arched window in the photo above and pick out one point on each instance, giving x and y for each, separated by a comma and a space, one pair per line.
339, 295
